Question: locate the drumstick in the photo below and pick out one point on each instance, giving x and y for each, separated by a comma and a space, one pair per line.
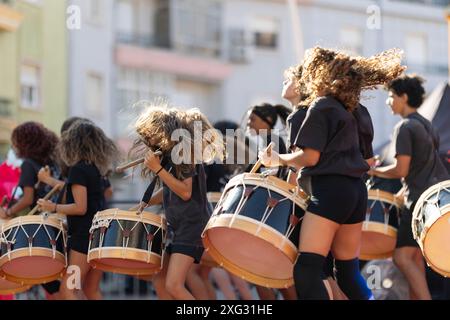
4, 200
47, 196
36, 186
258, 163
134, 163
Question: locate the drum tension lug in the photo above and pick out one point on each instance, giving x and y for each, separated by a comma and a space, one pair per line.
30, 240
91, 236
272, 202
293, 220
102, 230
248, 192
126, 233
53, 242
150, 237
8, 246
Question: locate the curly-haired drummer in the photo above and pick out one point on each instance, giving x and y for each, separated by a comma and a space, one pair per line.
332, 166
183, 194
418, 163
89, 154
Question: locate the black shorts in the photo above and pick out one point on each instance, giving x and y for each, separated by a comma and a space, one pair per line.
195, 252
78, 243
405, 236
341, 199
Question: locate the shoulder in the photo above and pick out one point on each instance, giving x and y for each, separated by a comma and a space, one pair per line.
29, 165
325, 103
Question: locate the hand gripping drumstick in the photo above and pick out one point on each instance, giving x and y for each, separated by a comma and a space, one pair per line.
47, 196
258, 164
134, 163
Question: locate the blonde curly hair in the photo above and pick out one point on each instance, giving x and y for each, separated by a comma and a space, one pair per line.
332, 72
172, 131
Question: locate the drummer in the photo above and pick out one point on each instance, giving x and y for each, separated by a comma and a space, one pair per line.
89, 154
418, 163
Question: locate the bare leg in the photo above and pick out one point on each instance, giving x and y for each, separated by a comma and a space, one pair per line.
195, 283
91, 286
265, 293
221, 278
405, 259
179, 266
204, 272
159, 281
289, 293
242, 286
72, 284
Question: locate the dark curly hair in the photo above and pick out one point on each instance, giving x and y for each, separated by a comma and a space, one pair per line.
34, 141
412, 85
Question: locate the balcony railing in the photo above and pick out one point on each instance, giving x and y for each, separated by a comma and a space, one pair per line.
5, 108
427, 2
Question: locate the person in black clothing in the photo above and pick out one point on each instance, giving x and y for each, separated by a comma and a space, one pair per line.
417, 162
332, 166
183, 193
36, 145
89, 155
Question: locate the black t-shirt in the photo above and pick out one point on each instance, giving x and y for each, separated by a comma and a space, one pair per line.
188, 218
365, 131
86, 175
332, 130
294, 123
415, 137
29, 178
217, 177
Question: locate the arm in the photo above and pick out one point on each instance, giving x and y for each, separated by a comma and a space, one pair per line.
156, 199
399, 169
183, 189
24, 202
44, 176
303, 158
78, 208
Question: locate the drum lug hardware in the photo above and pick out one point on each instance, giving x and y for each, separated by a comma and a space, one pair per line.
293, 220
248, 192
150, 237
126, 233
30, 241
102, 230
272, 202
8, 246
91, 236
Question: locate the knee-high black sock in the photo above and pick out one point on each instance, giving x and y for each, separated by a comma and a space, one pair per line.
351, 281
308, 277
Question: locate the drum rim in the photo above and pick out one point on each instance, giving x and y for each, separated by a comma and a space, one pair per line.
276, 184
146, 217
385, 196
423, 237
35, 252
38, 219
243, 273
94, 258
373, 226
19, 289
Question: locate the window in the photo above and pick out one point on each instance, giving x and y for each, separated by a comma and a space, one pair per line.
95, 11
416, 49
351, 40
94, 94
265, 32
30, 87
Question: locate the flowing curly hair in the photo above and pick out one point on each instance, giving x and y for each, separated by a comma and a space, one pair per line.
34, 141
84, 141
332, 72
173, 131
295, 73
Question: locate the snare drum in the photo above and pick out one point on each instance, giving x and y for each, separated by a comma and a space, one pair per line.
254, 230
127, 242
33, 249
379, 231
431, 226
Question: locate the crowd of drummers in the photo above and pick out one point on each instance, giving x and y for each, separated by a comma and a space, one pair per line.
296, 222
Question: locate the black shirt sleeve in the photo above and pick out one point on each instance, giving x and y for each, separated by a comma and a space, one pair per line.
403, 141
314, 131
28, 175
365, 131
77, 175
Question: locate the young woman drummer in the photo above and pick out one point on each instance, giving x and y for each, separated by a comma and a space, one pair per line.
89, 154
184, 186
332, 166
36, 145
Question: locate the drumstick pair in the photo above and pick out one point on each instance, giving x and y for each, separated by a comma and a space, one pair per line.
47, 196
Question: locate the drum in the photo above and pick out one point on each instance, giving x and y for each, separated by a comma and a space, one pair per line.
214, 198
33, 249
431, 226
127, 242
254, 230
379, 231
9, 287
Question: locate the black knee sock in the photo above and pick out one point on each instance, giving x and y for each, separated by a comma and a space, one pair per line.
308, 277
351, 281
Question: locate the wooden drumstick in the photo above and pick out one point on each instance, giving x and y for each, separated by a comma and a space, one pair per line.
47, 196
4, 201
36, 186
258, 163
134, 163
